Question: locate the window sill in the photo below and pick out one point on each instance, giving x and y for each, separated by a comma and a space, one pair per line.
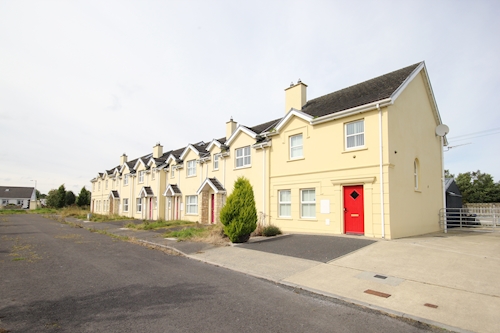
312, 219
190, 176
243, 167
285, 218
352, 150
296, 159
418, 191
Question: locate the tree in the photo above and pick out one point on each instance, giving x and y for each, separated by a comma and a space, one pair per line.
83, 198
70, 198
239, 215
57, 198
447, 174
478, 187
52, 199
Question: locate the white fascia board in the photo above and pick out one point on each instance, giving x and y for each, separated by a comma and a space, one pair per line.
352, 111
139, 161
189, 147
243, 129
170, 158
289, 115
406, 82
212, 143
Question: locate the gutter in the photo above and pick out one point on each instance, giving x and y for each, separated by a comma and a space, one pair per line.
349, 112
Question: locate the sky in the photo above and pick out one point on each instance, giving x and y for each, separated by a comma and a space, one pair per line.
82, 82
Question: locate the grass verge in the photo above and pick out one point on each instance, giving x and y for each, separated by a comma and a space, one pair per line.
160, 224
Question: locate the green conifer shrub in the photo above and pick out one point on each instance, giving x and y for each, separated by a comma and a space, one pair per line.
239, 215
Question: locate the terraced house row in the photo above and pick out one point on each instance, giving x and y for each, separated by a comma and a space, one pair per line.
363, 160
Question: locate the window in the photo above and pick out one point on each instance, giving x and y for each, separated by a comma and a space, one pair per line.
243, 157
285, 203
296, 146
106, 184
216, 162
155, 199
117, 182
125, 179
415, 173
139, 205
153, 174
19, 202
308, 203
172, 172
5, 202
99, 186
191, 204
355, 134
191, 168
125, 205
141, 176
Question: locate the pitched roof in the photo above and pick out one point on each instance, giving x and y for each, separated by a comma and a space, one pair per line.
362, 93
264, 127
16, 192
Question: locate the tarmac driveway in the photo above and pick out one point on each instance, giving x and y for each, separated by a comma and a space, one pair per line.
311, 247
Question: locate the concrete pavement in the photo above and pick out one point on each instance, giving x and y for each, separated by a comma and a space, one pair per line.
447, 280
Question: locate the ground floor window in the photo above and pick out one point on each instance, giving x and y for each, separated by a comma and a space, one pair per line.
285, 203
308, 203
191, 204
125, 205
139, 205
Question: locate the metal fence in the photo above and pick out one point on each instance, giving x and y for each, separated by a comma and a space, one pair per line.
470, 217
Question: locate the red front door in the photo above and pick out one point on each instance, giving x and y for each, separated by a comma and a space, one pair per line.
354, 217
212, 220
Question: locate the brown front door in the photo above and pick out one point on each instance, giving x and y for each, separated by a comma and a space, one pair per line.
354, 217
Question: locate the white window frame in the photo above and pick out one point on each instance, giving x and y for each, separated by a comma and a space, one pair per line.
297, 148
172, 171
216, 161
191, 205
106, 184
353, 132
138, 205
153, 172
283, 203
141, 177
125, 179
99, 185
191, 168
125, 205
243, 156
307, 203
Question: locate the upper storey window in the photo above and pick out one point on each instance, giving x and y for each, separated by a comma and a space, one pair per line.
216, 162
243, 157
355, 134
191, 168
125, 179
296, 150
141, 176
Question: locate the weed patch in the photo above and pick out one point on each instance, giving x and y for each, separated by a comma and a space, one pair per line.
160, 224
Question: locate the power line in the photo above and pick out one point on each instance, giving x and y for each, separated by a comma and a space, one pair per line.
480, 132
472, 137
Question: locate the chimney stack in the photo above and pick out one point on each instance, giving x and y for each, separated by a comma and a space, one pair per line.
123, 159
157, 150
230, 127
295, 96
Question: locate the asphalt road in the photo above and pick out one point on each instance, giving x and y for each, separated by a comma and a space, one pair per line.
58, 278
311, 247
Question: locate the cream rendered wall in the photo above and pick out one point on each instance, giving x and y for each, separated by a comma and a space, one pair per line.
326, 166
412, 135
254, 173
191, 184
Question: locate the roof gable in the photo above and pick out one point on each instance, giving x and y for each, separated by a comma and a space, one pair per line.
241, 129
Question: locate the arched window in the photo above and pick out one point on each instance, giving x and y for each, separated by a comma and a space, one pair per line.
416, 170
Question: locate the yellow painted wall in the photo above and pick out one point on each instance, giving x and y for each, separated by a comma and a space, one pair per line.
412, 135
326, 166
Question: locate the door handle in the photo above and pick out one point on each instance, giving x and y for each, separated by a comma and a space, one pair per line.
345, 209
